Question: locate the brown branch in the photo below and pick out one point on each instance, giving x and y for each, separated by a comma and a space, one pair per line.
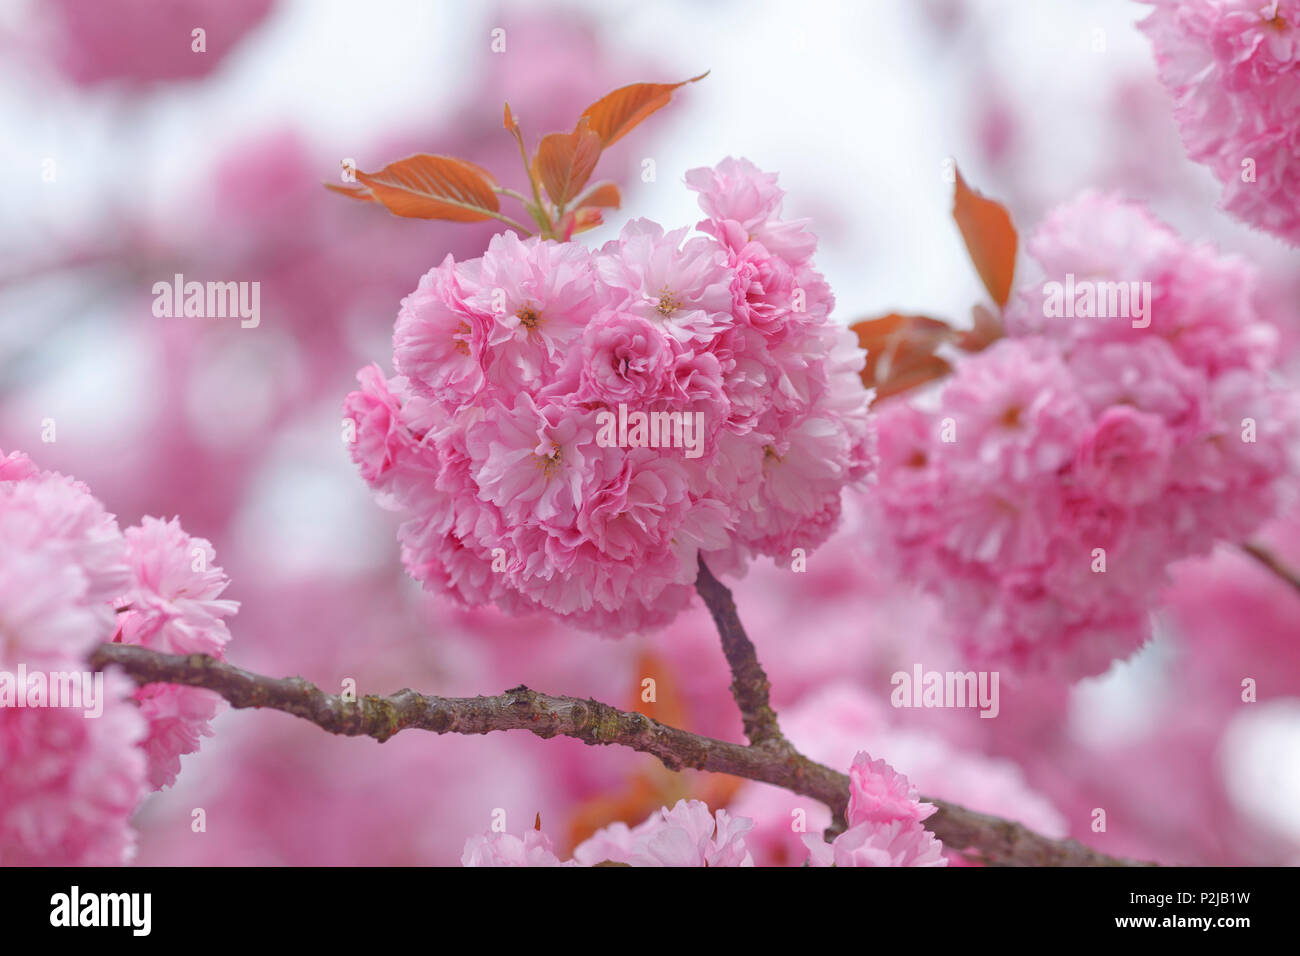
749, 683
1271, 561
986, 838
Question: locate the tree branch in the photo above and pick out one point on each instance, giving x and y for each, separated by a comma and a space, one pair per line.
749, 683
986, 838
1271, 561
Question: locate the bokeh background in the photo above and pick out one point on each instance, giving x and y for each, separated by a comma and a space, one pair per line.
128, 158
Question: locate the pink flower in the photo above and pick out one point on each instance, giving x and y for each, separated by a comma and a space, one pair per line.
880, 794
506, 849
626, 359
178, 717
1233, 69
736, 190
439, 342
684, 286
543, 459
69, 784
1081, 444
1125, 458
884, 819
896, 843
687, 835
1200, 302
539, 296
1145, 375
763, 290
374, 412
173, 606
638, 511
510, 445
1014, 411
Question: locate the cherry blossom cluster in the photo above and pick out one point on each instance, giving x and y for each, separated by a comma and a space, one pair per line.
569, 429
1233, 69
71, 579
1049, 484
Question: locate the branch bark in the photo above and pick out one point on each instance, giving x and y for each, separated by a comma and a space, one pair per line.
749, 684
986, 838
1271, 561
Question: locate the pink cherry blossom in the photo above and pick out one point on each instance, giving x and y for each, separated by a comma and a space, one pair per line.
1233, 70
439, 341
507, 440
69, 578
687, 835
884, 823
738, 191
70, 785
683, 284
626, 358
173, 605
506, 849
878, 793
1057, 474
1125, 457
896, 843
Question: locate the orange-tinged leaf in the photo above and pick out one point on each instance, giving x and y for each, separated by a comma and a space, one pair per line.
911, 373
604, 196
565, 161
513, 128
990, 238
361, 193
615, 115
425, 186
580, 220
901, 351
986, 330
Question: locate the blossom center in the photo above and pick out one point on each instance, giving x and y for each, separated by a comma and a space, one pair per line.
550, 464
529, 317
668, 302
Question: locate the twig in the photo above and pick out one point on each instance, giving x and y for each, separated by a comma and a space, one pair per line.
1271, 561
988, 838
749, 683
